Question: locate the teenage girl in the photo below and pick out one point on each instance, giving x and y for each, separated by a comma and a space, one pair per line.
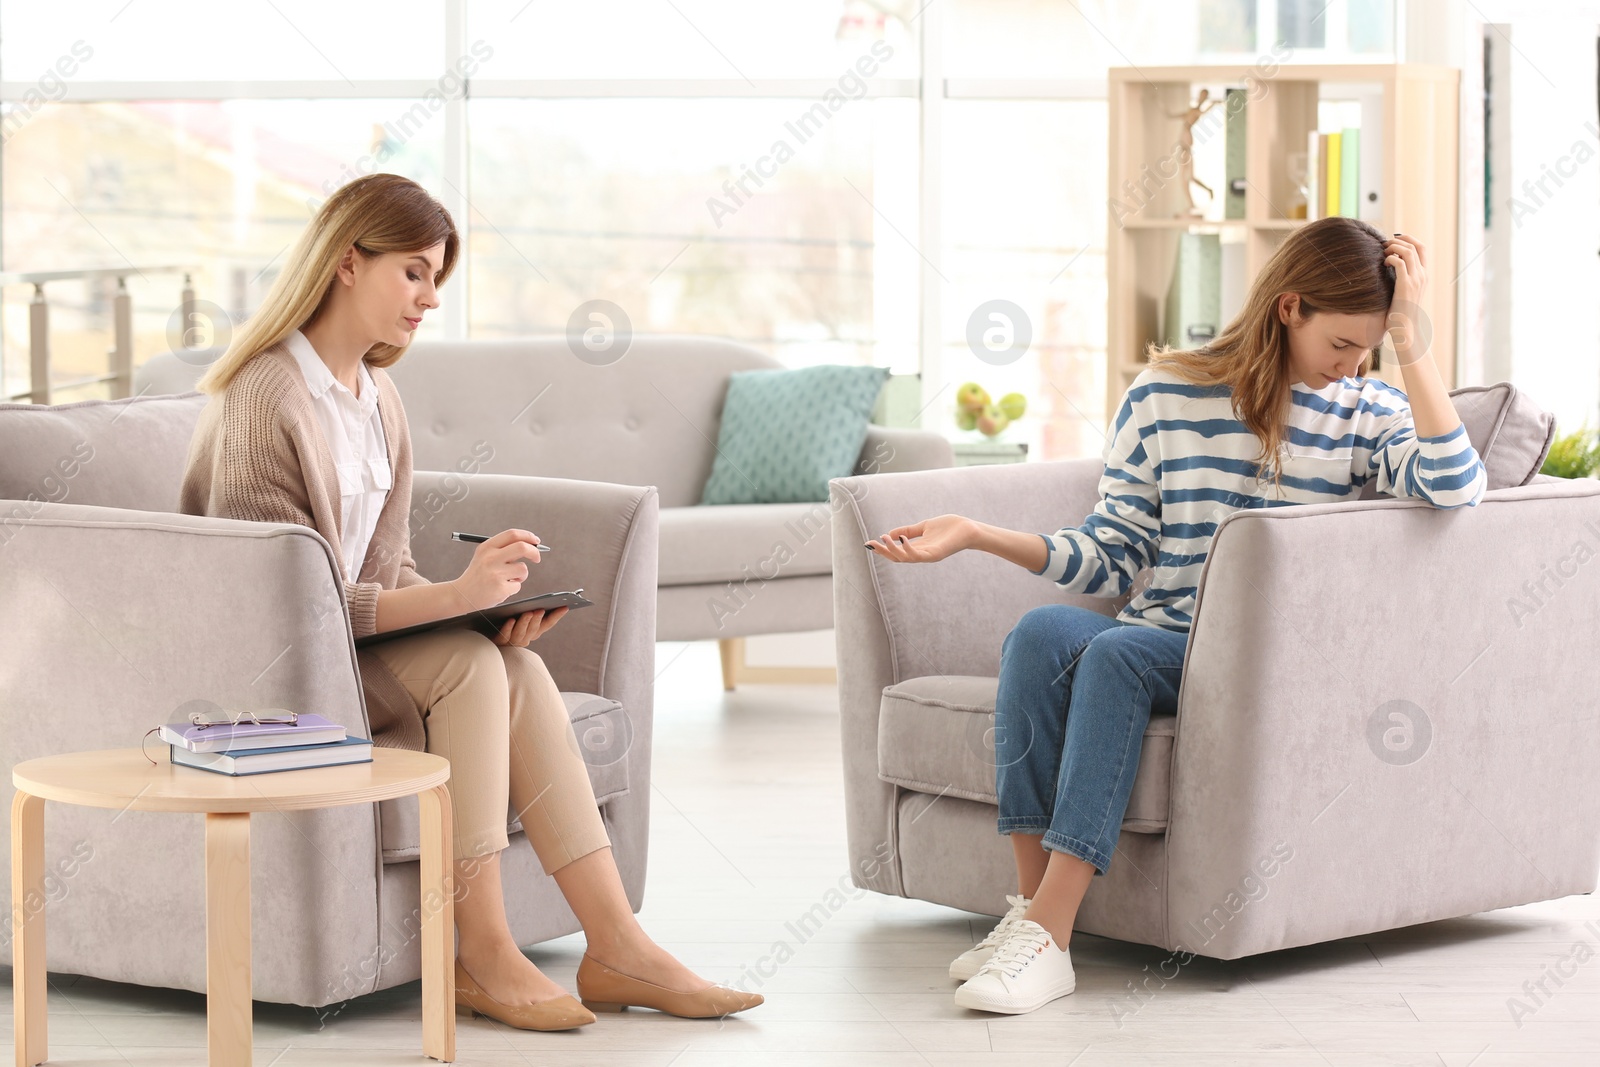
1274, 412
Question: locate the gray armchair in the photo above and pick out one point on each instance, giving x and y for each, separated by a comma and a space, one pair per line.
115, 610
1387, 715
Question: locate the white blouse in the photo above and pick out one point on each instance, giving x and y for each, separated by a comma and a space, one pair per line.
354, 431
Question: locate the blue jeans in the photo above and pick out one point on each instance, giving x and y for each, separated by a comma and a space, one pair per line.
1076, 692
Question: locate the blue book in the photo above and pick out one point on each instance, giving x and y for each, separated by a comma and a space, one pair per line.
243, 761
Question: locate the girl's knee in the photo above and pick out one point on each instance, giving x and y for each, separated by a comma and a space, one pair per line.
1036, 626
1052, 627
1117, 646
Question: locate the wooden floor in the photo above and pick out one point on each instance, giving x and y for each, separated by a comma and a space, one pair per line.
747, 836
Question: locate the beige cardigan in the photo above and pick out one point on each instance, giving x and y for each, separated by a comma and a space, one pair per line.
259, 454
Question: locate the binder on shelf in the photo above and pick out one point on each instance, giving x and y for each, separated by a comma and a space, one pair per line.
1314, 153
1235, 101
1349, 171
1331, 175
1370, 205
1194, 305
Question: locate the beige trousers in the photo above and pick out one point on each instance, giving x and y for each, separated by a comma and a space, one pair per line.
495, 713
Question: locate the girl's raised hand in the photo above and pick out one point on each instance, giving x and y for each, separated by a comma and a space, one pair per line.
925, 542
1408, 325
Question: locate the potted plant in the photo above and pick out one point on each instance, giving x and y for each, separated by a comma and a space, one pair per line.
1574, 455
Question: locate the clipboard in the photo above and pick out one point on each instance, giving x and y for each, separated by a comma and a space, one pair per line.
488, 620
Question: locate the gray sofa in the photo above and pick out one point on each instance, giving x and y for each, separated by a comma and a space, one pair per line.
115, 610
650, 418
1379, 724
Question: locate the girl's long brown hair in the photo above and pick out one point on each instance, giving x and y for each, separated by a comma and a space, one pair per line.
1334, 264
377, 213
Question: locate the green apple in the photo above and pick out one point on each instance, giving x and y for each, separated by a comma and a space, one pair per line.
972, 397
992, 420
1013, 404
966, 419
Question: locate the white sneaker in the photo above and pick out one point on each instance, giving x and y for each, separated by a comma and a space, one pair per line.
966, 965
1028, 970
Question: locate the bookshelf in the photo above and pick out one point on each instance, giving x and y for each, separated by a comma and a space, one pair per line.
1417, 191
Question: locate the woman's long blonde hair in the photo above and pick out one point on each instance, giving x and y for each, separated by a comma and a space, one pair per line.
1334, 264
377, 213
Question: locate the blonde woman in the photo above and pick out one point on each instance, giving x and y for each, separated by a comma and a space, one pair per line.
305, 426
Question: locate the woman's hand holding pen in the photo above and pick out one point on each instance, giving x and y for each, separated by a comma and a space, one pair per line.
495, 573
926, 542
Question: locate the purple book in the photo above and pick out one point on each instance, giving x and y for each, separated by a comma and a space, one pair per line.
309, 730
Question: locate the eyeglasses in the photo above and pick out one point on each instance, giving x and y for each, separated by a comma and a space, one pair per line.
202, 720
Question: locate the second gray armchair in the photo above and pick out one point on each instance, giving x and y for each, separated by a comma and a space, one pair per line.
1378, 724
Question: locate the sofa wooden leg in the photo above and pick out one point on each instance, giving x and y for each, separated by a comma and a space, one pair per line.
732, 649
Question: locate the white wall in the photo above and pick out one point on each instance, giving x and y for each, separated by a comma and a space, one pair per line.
1530, 304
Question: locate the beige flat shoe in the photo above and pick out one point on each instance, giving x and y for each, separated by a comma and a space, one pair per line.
604, 989
561, 1013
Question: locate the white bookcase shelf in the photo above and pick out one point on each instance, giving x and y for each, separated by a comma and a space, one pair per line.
1418, 145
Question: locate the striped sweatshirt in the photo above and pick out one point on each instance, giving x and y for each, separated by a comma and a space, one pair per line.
1177, 462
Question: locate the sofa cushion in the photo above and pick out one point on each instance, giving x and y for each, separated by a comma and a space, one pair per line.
733, 542
785, 433
1511, 434
604, 734
109, 453
936, 735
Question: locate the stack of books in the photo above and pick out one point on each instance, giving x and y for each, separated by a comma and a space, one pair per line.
247, 747
1344, 168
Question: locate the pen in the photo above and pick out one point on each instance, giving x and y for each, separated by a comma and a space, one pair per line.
477, 539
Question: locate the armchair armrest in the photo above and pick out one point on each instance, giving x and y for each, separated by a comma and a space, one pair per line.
894, 621
603, 536
950, 617
111, 619
891, 449
1399, 698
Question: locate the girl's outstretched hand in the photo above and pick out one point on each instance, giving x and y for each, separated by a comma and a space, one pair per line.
928, 541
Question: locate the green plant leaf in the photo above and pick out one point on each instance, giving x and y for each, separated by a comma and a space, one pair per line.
1574, 455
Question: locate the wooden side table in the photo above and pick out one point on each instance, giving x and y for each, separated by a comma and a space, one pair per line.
124, 779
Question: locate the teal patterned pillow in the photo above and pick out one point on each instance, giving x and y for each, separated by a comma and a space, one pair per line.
786, 432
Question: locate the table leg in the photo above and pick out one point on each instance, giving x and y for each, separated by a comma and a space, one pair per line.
228, 1007
438, 925
29, 990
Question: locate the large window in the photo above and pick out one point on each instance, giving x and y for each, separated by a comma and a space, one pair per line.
1023, 226
731, 40
828, 180
682, 213
220, 188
